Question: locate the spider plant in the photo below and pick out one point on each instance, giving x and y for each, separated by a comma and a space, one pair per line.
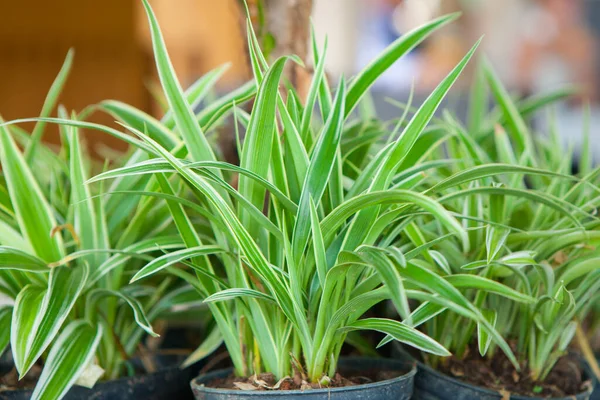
291, 258
68, 249
531, 224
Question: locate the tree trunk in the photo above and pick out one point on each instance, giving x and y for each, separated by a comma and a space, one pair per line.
288, 22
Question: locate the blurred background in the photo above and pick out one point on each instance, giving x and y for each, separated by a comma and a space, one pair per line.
534, 45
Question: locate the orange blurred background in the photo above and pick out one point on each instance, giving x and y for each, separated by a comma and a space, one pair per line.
531, 43
113, 54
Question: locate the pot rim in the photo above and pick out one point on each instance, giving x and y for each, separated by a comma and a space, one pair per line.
386, 361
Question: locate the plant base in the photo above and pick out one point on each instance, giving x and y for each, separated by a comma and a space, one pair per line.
400, 388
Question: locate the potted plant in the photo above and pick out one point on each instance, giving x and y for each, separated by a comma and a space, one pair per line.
532, 228
67, 252
288, 259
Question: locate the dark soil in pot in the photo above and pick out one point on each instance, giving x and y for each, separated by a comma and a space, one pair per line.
168, 382
567, 378
359, 378
476, 378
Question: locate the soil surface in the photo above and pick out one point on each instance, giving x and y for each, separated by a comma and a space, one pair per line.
267, 381
10, 380
497, 373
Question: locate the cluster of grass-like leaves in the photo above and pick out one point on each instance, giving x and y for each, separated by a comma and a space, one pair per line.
69, 248
329, 213
531, 223
291, 259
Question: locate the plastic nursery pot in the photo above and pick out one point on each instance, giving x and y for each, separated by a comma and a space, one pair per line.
399, 388
434, 385
168, 382
596, 392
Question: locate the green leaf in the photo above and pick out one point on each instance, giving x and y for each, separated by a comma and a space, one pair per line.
477, 101
156, 166
140, 120
197, 144
356, 307
256, 152
318, 245
506, 153
464, 281
440, 261
425, 312
70, 355
544, 198
495, 238
257, 59
11, 258
586, 158
32, 211
163, 243
312, 95
278, 194
272, 279
175, 257
579, 268
197, 92
540, 100
229, 294
319, 170
424, 114
449, 296
324, 91
390, 55
210, 344
390, 276
340, 215
84, 212
483, 339
39, 314
5, 318
138, 312
27, 309
49, 103
519, 258
402, 147
489, 170
12, 238
86, 125
9, 285
214, 111
514, 120
401, 332
567, 336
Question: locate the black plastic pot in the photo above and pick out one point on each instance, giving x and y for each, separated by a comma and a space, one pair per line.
434, 385
596, 392
168, 382
399, 388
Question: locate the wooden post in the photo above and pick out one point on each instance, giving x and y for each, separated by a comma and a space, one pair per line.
288, 22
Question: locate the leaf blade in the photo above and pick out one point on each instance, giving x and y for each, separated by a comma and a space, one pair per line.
72, 352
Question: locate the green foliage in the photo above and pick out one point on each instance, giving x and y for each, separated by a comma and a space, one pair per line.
328, 214
67, 253
289, 263
531, 225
